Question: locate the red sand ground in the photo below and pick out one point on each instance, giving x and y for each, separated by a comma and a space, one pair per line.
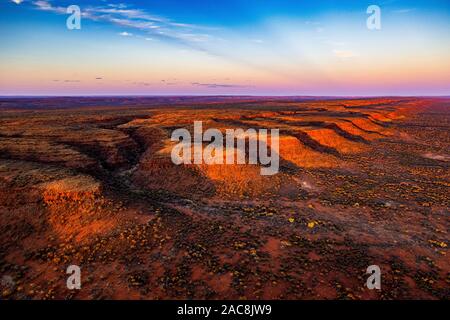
90, 182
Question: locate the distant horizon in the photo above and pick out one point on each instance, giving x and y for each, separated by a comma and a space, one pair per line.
221, 95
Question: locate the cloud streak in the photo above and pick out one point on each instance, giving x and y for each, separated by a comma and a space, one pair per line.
217, 85
140, 20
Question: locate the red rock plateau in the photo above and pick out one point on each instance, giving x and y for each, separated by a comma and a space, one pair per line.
90, 182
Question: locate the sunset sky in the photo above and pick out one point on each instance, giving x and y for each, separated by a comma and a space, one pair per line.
258, 47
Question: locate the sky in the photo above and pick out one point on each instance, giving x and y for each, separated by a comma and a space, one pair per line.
215, 47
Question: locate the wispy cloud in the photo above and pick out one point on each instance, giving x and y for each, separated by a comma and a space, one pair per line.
125, 34
66, 81
138, 19
47, 6
217, 85
142, 84
117, 5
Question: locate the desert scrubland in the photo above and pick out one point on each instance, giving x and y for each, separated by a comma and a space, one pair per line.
90, 181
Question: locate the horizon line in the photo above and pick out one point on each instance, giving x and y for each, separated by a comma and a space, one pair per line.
219, 95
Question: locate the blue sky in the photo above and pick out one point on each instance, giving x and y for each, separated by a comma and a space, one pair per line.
225, 47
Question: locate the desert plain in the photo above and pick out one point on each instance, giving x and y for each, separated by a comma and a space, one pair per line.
90, 182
